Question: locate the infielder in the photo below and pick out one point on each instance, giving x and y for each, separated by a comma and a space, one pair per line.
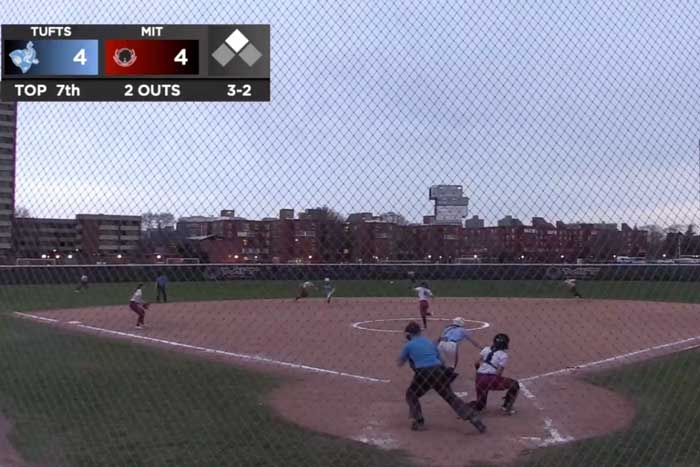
571, 284
304, 290
424, 294
430, 373
138, 306
489, 375
328, 289
448, 344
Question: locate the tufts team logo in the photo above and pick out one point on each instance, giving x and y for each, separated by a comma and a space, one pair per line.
124, 57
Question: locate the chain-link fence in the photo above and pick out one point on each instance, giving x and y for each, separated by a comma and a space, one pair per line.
503, 197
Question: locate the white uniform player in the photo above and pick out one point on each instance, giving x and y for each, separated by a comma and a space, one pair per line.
424, 294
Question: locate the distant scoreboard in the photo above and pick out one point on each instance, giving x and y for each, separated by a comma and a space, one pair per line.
135, 63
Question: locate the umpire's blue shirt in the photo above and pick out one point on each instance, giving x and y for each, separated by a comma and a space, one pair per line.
422, 351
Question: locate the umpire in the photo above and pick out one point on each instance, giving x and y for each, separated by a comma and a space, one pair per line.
430, 373
162, 287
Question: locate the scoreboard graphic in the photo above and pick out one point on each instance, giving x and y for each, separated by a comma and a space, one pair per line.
135, 62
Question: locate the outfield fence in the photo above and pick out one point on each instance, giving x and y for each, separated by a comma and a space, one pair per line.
36, 275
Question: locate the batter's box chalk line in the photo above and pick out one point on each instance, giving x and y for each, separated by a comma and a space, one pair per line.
553, 434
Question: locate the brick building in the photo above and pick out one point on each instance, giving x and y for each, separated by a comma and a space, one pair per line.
35, 238
373, 240
194, 226
277, 240
89, 238
108, 238
365, 237
8, 147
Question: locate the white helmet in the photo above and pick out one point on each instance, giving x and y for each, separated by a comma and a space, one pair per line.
458, 322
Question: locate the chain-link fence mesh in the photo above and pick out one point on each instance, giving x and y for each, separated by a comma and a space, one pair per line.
231, 284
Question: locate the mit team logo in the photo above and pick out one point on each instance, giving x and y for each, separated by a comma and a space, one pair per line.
124, 57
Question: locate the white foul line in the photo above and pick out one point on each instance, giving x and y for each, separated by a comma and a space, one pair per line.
582, 366
27, 315
242, 356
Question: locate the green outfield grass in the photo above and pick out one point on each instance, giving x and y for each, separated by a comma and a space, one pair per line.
27, 298
78, 400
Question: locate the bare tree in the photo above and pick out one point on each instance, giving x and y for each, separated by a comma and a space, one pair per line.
332, 236
326, 214
157, 220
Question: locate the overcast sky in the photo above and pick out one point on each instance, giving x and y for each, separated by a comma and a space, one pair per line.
566, 110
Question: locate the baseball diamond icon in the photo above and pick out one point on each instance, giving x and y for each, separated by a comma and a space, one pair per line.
236, 44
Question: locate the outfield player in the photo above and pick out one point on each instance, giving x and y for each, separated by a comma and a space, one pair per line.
328, 289
448, 344
83, 284
304, 290
138, 306
571, 284
430, 373
489, 375
424, 294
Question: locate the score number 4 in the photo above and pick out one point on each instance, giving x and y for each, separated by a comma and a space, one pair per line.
181, 57
80, 57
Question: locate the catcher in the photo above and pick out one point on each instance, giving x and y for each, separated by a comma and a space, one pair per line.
138, 306
489, 375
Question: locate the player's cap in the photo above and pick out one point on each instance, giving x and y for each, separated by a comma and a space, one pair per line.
327, 279
458, 322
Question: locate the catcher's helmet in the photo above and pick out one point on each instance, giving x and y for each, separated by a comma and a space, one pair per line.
501, 341
412, 329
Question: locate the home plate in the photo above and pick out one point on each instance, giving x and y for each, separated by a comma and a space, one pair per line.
461, 394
